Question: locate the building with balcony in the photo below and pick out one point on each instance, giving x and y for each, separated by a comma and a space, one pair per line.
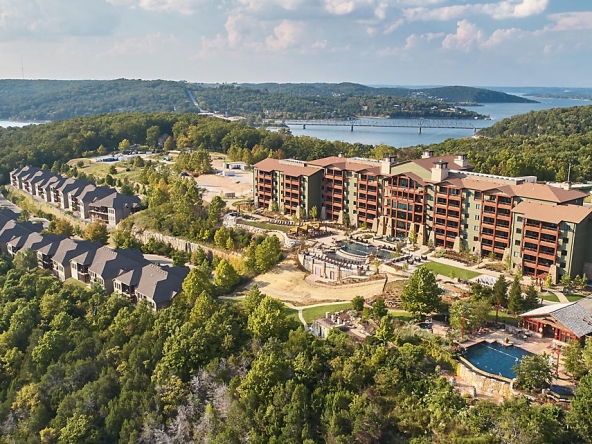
541, 229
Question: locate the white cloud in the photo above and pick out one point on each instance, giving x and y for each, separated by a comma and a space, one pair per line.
342, 7
286, 34
181, 6
500, 36
500, 11
571, 21
466, 37
149, 44
393, 26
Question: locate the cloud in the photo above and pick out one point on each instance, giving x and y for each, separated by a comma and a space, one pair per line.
287, 33
186, 7
49, 19
466, 37
341, 7
500, 36
149, 44
499, 11
570, 21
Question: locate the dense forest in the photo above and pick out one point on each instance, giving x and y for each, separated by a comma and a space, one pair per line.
62, 99
450, 94
262, 104
79, 366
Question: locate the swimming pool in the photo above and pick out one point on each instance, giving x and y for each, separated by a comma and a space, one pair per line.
494, 358
363, 250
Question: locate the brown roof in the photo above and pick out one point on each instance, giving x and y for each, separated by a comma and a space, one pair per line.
472, 184
343, 163
429, 162
553, 213
269, 165
542, 192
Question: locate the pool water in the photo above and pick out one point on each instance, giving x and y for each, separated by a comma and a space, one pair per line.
364, 250
495, 358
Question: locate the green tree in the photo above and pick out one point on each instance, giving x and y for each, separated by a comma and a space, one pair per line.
314, 213
475, 313
565, 281
421, 295
358, 303
109, 180
412, 235
533, 373
124, 145
97, 232
225, 276
112, 170
169, 144
25, 260
386, 331
152, 135
500, 290
221, 236
267, 253
549, 281
63, 227
515, 301
573, 359
196, 283
253, 299
215, 209
101, 150
379, 309
531, 301
124, 239
268, 319
579, 416
127, 188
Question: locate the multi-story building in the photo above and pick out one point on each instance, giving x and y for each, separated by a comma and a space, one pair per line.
83, 198
541, 229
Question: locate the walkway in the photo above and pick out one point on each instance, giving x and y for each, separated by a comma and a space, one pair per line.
562, 298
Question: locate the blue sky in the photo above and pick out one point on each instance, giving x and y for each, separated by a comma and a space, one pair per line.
402, 42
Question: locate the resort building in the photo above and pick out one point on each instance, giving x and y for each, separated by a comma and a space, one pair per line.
541, 229
84, 199
561, 322
123, 270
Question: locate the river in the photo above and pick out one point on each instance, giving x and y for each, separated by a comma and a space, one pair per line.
403, 137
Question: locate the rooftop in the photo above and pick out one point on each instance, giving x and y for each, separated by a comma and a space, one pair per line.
553, 213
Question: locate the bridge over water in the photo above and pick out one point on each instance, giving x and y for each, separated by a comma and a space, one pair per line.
389, 123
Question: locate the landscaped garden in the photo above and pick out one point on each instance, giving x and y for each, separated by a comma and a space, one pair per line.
312, 313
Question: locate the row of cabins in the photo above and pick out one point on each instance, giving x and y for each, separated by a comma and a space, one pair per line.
82, 198
123, 271
541, 229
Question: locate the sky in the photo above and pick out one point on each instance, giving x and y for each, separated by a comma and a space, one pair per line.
386, 42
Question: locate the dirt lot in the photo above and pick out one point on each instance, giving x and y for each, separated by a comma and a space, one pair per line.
240, 183
286, 282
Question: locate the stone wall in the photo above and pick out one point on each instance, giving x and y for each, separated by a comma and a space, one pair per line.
180, 244
480, 381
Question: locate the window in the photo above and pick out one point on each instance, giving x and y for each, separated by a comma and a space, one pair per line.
475, 239
477, 194
476, 228
517, 243
565, 240
476, 217
564, 253
562, 264
519, 218
519, 230
478, 206
516, 254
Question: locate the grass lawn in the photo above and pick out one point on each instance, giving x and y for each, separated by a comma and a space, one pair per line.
503, 317
310, 314
265, 226
549, 297
451, 272
572, 297
403, 316
292, 313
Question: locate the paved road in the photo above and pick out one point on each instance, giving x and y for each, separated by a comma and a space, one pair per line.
4, 202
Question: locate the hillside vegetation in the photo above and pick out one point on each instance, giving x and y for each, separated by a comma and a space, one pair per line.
63, 99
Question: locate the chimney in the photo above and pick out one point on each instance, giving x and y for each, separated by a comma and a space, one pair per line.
341, 155
440, 171
461, 160
386, 163
426, 154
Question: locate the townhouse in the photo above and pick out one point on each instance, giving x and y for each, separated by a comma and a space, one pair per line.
82, 198
124, 271
540, 229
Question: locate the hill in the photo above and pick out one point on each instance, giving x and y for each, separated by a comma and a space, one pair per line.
449, 94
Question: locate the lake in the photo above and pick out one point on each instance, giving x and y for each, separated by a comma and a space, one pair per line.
7, 123
403, 137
